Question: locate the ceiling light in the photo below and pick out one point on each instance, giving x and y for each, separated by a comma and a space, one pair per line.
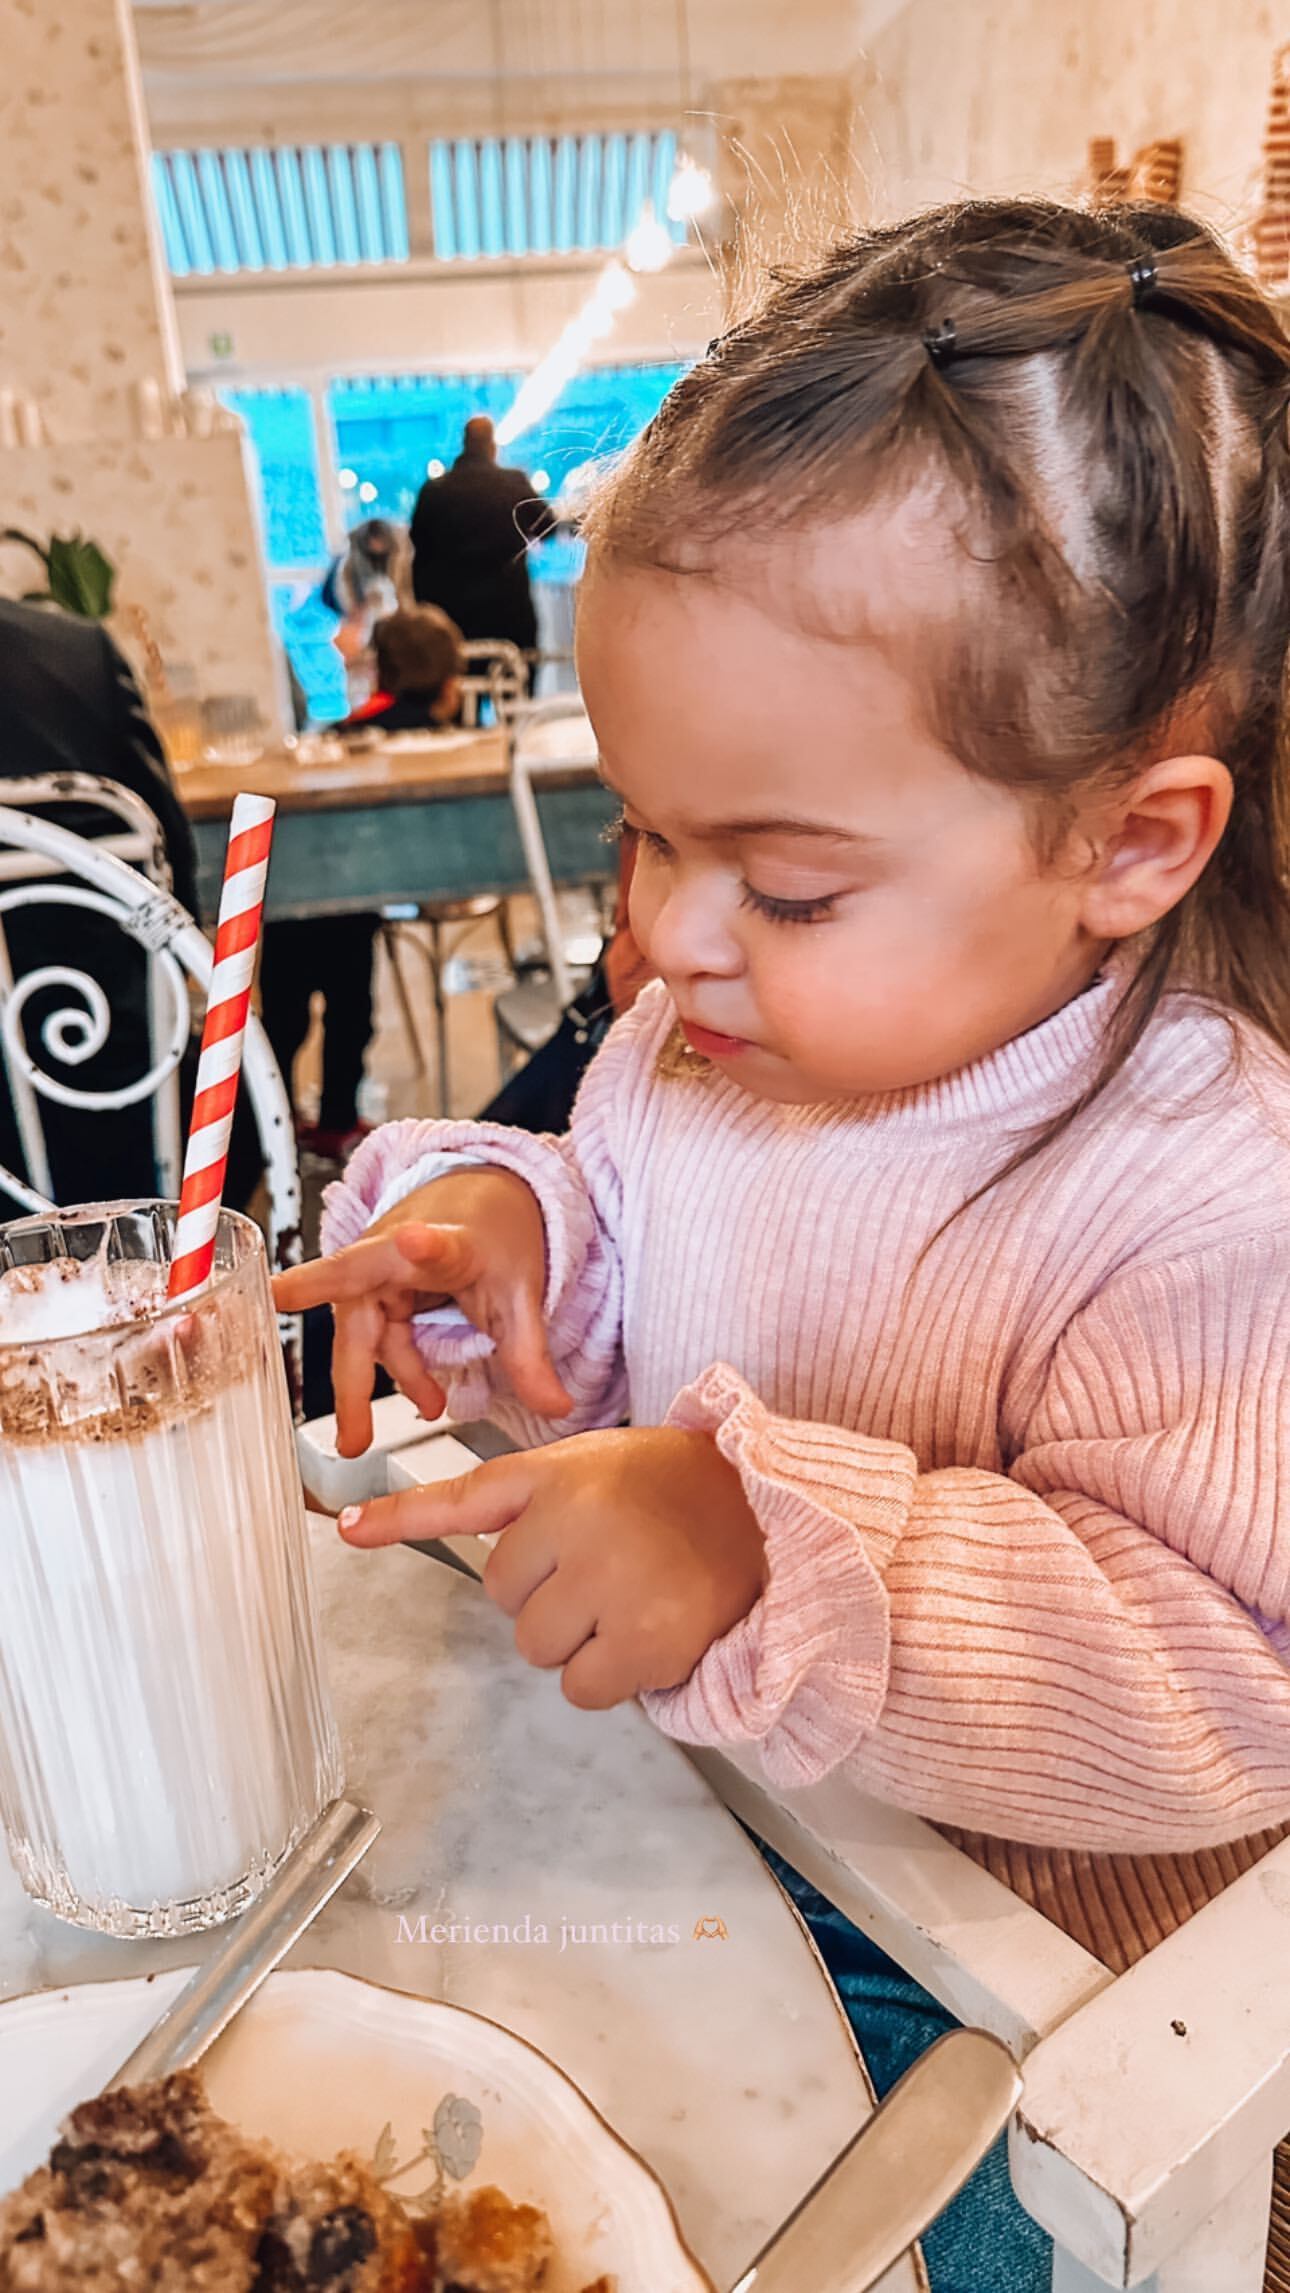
692, 191
650, 246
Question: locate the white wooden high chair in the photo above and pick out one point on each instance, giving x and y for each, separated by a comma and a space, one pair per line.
1153, 2101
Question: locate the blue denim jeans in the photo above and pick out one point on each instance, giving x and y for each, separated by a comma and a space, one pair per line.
983, 2242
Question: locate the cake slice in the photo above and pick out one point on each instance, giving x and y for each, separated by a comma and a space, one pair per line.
148, 2188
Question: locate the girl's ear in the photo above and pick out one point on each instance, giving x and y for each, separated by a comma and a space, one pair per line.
1158, 839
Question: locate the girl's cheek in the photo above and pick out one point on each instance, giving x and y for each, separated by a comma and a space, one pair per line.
806, 978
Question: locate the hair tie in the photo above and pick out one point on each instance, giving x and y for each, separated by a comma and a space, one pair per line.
941, 342
1144, 278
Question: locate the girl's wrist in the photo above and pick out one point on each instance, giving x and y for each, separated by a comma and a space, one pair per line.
398, 1192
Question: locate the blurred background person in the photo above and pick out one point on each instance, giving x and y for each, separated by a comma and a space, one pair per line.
419, 667
471, 533
366, 583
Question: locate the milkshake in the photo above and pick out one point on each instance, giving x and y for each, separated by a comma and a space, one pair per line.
165, 1735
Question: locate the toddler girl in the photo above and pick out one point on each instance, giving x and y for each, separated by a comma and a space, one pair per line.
929, 1217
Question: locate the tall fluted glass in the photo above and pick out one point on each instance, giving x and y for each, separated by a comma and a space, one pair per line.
165, 1732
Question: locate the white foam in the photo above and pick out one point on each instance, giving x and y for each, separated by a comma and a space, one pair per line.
69, 1297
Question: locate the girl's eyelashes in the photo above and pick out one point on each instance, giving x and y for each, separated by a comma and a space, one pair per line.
650, 839
814, 911
778, 911
621, 827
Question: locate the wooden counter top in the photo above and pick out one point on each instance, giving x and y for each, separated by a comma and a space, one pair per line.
400, 771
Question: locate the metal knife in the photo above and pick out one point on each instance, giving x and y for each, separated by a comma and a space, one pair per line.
900, 2171
303, 1883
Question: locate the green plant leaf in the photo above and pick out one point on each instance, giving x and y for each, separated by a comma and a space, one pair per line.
98, 579
80, 577
23, 540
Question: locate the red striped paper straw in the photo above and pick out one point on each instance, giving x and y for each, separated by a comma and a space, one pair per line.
219, 1068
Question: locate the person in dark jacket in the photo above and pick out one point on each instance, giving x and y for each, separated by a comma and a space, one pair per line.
471, 533
68, 703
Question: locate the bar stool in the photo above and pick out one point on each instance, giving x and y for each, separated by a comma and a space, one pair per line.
496, 671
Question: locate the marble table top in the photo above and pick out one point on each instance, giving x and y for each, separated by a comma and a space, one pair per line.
726, 2062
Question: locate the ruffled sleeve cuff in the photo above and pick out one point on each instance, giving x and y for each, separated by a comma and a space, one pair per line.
804, 1674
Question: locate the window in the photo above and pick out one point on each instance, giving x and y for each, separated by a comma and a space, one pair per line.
546, 195
392, 431
280, 424
299, 207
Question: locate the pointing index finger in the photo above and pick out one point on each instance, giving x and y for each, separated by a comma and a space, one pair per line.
351, 1273
475, 1504
370, 1264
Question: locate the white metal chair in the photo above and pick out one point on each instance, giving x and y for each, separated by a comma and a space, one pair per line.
139, 841
496, 671
44, 855
543, 738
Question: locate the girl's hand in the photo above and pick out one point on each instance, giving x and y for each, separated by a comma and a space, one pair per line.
625, 1554
475, 1236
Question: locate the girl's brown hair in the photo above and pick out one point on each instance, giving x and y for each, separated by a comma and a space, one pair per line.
1100, 401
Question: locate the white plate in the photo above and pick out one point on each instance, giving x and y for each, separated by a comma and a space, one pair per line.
320, 2062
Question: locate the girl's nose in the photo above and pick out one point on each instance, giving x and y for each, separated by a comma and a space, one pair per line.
686, 933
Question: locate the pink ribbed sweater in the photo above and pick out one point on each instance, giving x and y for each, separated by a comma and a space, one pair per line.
1026, 1499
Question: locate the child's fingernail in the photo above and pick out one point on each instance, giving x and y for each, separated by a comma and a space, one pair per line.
351, 1516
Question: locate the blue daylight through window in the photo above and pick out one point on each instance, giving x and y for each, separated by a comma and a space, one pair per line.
299, 207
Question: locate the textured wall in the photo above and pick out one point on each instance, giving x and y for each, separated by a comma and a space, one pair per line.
175, 518
1004, 94
86, 316
81, 319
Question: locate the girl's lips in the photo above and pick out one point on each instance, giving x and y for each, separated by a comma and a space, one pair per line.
712, 1046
